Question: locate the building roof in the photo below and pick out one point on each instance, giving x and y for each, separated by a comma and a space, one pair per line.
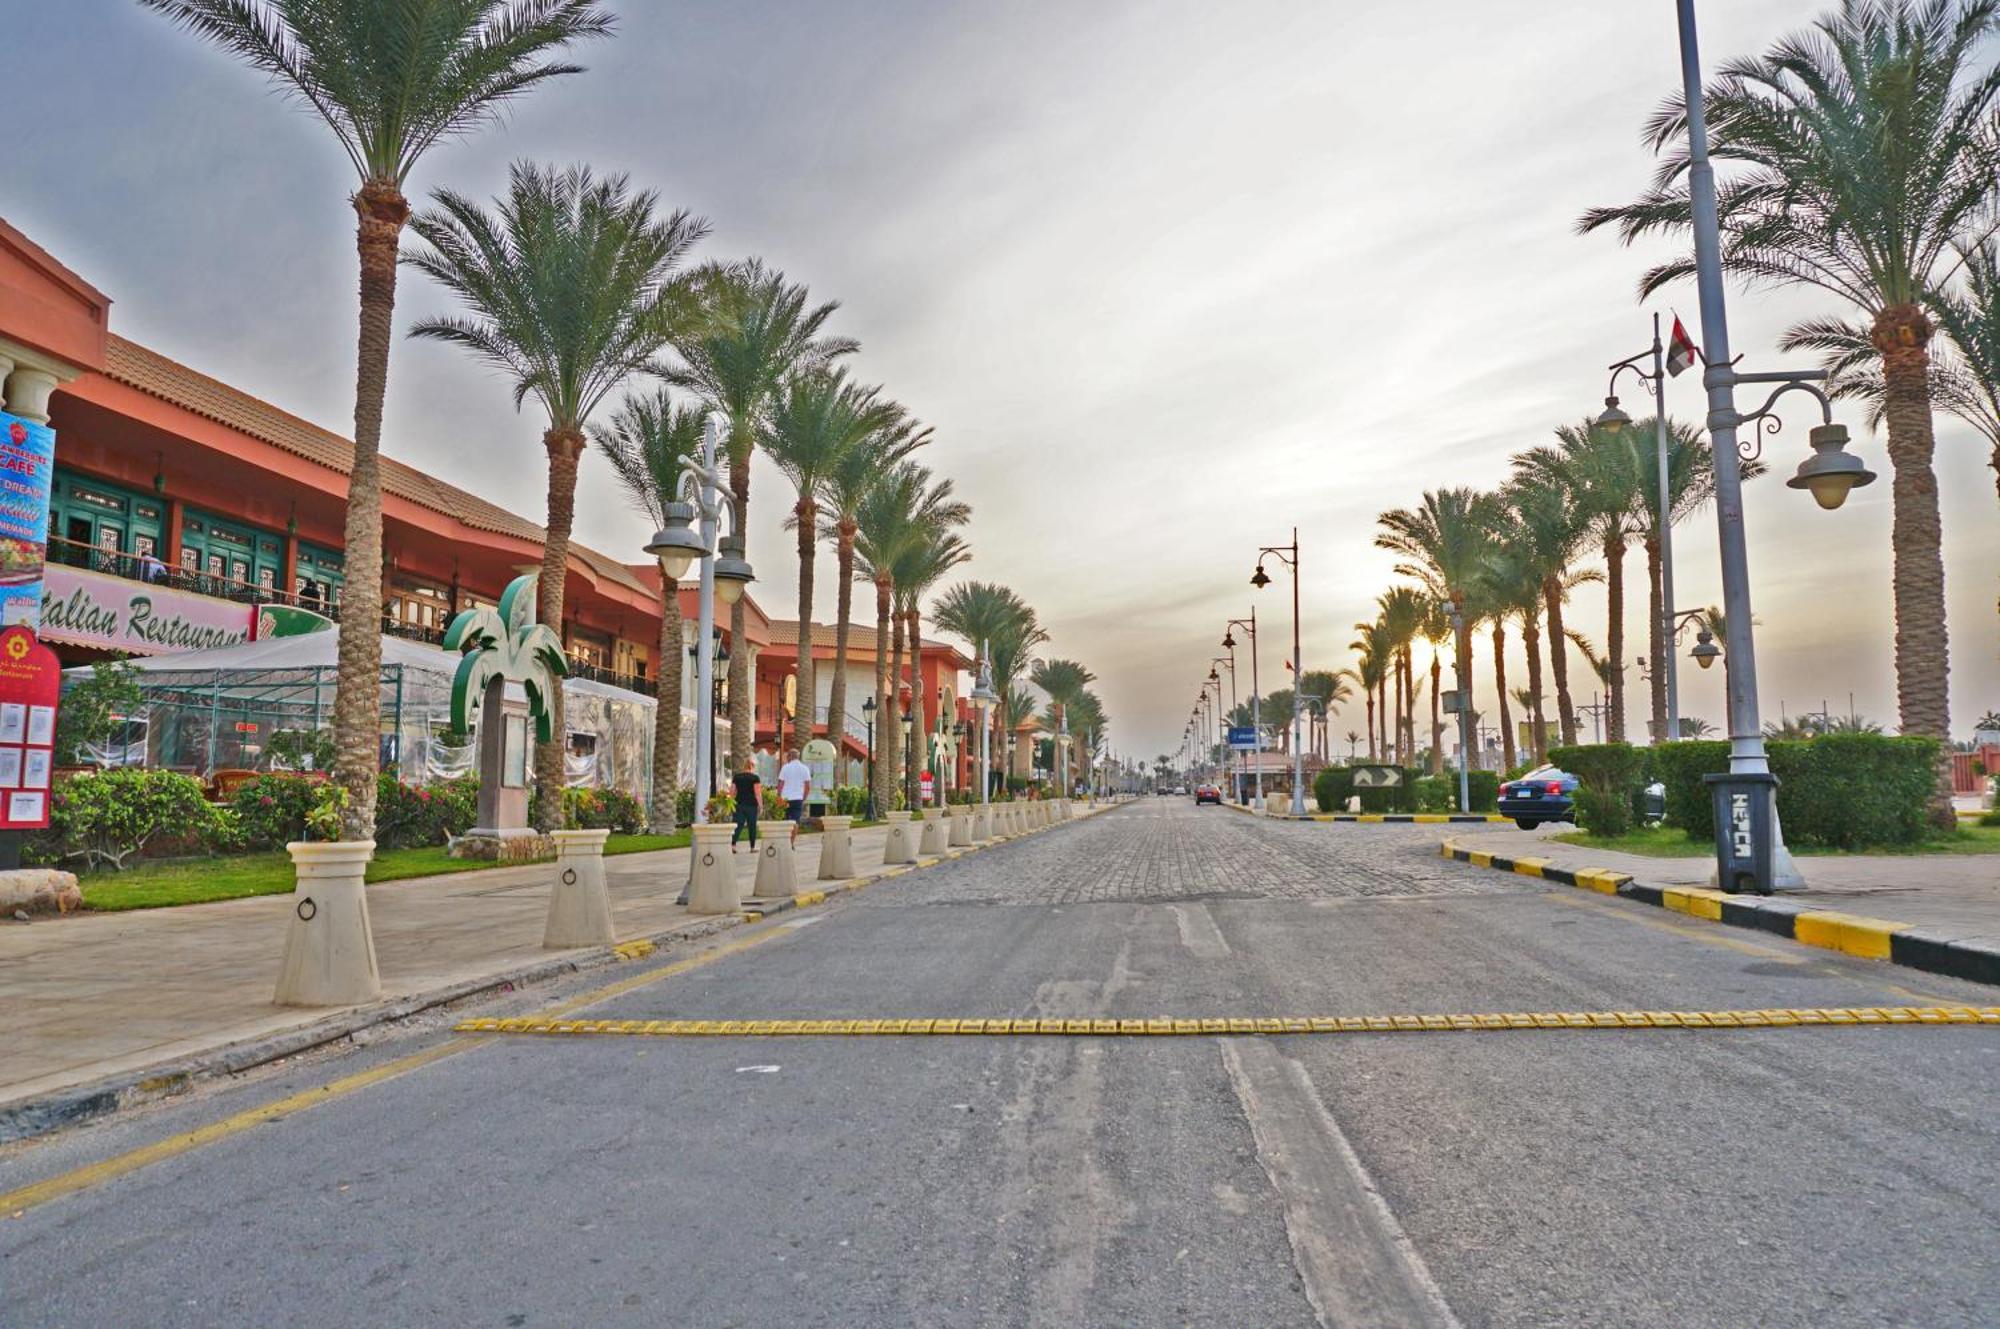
150, 372
860, 639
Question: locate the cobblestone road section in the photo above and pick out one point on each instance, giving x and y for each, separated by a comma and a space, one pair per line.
1163, 852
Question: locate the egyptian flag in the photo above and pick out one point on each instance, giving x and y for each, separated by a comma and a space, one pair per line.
1680, 349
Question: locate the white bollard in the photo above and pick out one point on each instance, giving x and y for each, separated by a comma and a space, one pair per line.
934, 832
712, 887
982, 825
329, 955
901, 844
959, 819
836, 848
579, 901
777, 866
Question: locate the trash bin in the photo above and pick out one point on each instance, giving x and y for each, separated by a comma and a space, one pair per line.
1745, 813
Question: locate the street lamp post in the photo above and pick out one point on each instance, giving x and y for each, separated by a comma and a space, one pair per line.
1256, 720
868, 718
724, 573
1749, 789
1664, 521
984, 699
1289, 556
1462, 704
1229, 719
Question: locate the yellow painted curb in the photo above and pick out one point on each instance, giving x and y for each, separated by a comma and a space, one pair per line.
1599, 879
1479, 858
1530, 867
1848, 933
1695, 901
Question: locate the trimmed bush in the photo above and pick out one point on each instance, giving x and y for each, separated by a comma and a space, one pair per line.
1836, 791
1992, 818
407, 816
1609, 778
1332, 787
603, 809
849, 800
110, 817
271, 809
1439, 793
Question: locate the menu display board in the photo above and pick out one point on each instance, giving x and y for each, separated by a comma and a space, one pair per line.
30, 689
27, 468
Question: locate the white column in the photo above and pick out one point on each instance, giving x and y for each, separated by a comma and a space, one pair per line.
28, 392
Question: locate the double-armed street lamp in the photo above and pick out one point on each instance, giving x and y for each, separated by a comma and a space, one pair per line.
1289, 556
868, 718
1228, 718
1461, 704
1249, 625
984, 699
1750, 850
724, 573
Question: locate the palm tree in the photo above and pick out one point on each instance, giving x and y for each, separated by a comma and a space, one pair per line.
817, 418
646, 444
927, 559
568, 291
1867, 152
1512, 587
1444, 543
388, 97
993, 618
1402, 611
1374, 656
753, 331
845, 487
1064, 683
1436, 628
1330, 688
1549, 528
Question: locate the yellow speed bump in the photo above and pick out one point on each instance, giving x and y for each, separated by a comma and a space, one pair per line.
1491, 1021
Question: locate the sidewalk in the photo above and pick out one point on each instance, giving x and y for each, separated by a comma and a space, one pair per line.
99, 1002
1936, 912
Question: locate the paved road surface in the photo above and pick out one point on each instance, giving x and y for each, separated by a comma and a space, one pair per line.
1783, 1177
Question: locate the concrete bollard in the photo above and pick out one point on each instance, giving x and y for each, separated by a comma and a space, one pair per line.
836, 848
579, 901
959, 820
934, 833
901, 844
329, 955
777, 866
712, 887
982, 824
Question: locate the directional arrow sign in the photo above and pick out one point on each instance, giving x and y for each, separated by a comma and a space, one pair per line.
1377, 777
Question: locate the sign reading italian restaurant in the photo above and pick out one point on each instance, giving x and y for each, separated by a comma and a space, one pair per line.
91, 608
27, 467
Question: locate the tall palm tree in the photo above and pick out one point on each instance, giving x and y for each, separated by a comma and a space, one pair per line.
994, 619
391, 79
817, 418
1550, 526
1373, 658
1402, 609
1866, 152
844, 488
1512, 588
1064, 683
1330, 687
1436, 628
568, 289
648, 440
1444, 543
938, 550
754, 330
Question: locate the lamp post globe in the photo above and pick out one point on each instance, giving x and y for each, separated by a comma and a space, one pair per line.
1831, 470
677, 545
1612, 417
732, 572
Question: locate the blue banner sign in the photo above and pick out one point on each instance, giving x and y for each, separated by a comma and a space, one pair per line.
1243, 737
27, 466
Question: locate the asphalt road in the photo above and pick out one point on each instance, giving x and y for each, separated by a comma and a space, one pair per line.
1846, 1176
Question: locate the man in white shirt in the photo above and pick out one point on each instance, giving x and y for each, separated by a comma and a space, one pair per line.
794, 783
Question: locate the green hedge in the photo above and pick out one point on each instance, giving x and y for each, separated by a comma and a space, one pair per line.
1837, 791
1609, 778
1332, 787
1439, 793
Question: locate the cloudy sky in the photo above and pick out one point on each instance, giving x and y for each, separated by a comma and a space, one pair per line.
1167, 278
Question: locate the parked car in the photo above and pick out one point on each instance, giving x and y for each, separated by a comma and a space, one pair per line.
1544, 794
1207, 793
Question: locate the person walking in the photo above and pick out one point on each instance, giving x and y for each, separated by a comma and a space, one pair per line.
794, 784
749, 796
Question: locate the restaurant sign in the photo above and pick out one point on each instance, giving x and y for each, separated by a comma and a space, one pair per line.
27, 465
90, 608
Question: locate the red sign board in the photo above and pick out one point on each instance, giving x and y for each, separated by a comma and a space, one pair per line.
924, 787
30, 687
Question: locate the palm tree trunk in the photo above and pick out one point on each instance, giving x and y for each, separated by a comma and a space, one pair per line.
894, 715
1656, 638
1371, 722
1614, 632
836, 696
1407, 659
1463, 646
1531, 639
1396, 723
1552, 603
806, 713
1437, 715
1507, 752
565, 449
919, 706
667, 715
885, 704
380, 210
1923, 702
742, 692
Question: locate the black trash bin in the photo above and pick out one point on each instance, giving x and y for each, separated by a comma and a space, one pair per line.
1745, 813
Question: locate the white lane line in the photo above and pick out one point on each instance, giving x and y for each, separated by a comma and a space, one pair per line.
1358, 1265
804, 921
1198, 931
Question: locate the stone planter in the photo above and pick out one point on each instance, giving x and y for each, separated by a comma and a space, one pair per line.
982, 824
934, 833
777, 868
901, 844
579, 903
960, 822
712, 885
329, 955
836, 848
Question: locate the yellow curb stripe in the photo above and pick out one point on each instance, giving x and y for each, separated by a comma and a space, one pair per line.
1261, 1025
1849, 933
1603, 880
1693, 900
1479, 858
1530, 867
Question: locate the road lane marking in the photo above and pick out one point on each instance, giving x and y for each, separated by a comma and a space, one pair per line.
1198, 931
1829, 1017
15, 1203
1357, 1263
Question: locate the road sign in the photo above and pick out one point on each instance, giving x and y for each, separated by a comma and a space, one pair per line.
1243, 737
925, 785
1377, 777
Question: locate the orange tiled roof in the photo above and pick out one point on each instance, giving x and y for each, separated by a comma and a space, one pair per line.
861, 637
150, 372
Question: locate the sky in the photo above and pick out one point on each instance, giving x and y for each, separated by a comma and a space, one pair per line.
1167, 279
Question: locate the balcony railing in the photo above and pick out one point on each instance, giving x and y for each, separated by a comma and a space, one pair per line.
153, 572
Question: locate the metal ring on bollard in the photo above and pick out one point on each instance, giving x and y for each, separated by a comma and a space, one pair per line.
569, 876
708, 859
307, 909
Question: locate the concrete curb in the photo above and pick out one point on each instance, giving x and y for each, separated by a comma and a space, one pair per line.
85, 1102
1379, 818
1955, 955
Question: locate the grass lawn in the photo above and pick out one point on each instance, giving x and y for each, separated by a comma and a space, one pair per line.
202, 880
1667, 842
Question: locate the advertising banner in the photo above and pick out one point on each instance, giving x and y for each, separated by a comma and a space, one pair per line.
92, 608
30, 686
27, 468
819, 756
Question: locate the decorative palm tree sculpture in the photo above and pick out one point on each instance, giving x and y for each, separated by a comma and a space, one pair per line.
500, 647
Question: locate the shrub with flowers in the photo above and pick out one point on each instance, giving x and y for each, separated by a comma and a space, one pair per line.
594, 809
409, 815
271, 810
